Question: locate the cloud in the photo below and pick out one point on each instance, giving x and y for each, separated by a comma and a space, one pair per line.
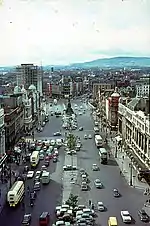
68, 31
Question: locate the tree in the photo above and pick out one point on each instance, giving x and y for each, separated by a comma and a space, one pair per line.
72, 201
71, 142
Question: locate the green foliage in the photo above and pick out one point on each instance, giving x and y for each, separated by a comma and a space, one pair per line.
71, 141
72, 201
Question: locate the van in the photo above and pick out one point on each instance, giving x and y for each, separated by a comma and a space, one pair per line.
112, 221
84, 177
45, 178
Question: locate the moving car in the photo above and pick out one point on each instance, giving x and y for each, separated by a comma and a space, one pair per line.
85, 136
81, 129
26, 219
116, 193
143, 215
57, 134
84, 186
100, 206
69, 167
126, 218
30, 174
98, 183
41, 156
44, 219
37, 186
90, 136
43, 168
95, 167
55, 159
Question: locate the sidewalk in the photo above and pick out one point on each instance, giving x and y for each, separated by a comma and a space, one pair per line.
123, 162
67, 177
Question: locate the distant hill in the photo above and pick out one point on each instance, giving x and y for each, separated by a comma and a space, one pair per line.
118, 62
115, 62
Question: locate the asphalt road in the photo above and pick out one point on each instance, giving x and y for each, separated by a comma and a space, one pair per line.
50, 195
131, 199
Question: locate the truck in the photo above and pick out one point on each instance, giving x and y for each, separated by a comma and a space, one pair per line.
98, 141
55, 101
103, 154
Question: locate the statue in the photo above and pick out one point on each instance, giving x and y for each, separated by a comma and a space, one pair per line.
69, 110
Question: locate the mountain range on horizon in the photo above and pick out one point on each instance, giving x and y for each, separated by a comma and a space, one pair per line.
114, 62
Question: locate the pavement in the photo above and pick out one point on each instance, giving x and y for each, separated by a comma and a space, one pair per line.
69, 177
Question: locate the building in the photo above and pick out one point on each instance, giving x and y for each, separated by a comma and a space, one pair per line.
134, 128
28, 74
143, 90
100, 87
28, 125
66, 86
2, 138
112, 110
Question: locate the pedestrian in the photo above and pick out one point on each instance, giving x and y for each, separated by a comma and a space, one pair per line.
90, 202
120, 172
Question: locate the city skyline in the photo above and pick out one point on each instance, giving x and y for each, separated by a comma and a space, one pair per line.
64, 32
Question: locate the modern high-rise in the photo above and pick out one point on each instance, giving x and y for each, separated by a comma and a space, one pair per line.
30, 74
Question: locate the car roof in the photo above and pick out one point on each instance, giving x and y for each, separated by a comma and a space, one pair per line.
44, 214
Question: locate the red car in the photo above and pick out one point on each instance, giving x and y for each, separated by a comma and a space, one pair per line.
44, 219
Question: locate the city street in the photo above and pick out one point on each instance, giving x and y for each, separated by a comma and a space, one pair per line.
131, 199
50, 195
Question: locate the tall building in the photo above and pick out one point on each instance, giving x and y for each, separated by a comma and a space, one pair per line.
2, 138
28, 74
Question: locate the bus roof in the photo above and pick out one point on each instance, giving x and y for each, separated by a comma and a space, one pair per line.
98, 136
103, 150
35, 153
16, 185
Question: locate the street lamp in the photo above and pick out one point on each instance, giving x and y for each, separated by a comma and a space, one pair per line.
116, 151
131, 173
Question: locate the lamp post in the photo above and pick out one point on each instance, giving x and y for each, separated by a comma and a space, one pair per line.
116, 151
131, 173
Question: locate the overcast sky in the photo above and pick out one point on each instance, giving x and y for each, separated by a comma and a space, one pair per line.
66, 31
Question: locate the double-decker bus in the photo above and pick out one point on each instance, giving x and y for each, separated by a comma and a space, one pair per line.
16, 193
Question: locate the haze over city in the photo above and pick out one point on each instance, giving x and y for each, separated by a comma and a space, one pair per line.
63, 31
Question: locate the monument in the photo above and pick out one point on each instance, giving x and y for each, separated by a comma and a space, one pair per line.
69, 110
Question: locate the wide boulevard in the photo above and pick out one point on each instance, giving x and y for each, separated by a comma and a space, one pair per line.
50, 195
131, 199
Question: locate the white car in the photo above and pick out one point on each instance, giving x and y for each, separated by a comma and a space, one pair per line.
52, 142
100, 206
126, 217
90, 136
30, 174
85, 136
80, 113
95, 167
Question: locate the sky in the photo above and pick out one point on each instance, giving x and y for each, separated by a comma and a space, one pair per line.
67, 31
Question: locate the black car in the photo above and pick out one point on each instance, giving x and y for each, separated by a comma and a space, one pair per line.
81, 129
32, 195
143, 215
54, 159
26, 219
46, 163
116, 193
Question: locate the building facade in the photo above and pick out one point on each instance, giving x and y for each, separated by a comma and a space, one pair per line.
28, 74
134, 127
2, 138
143, 90
100, 87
